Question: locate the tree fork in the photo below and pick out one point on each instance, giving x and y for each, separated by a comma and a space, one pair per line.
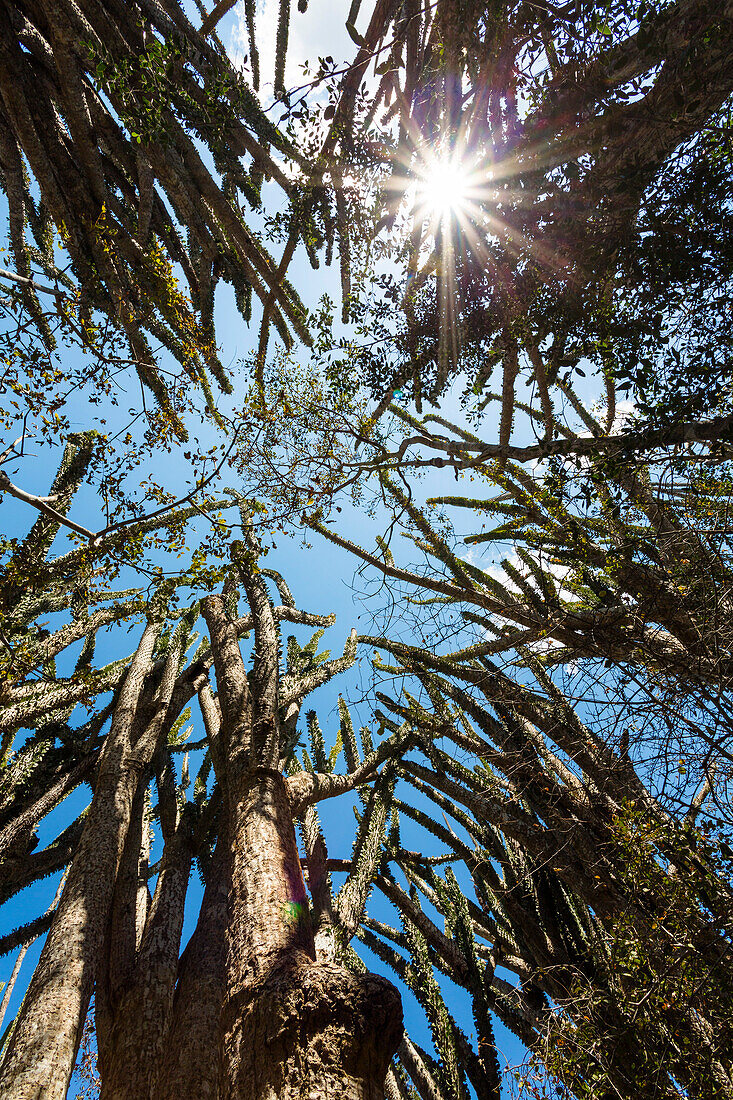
290, 1026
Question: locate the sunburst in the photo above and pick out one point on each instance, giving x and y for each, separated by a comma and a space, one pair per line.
443, 187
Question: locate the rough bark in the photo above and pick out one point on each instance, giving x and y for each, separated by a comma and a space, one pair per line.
312, 1030
142, 1015
120, 942
41, 1054
190, 1068
42, 1051
10, 984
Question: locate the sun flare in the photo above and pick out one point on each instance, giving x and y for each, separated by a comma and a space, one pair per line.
443, 188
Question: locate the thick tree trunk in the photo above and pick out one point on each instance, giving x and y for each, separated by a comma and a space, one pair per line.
121, 941
291, 1026
311, 1030
41, 1055
190, 1069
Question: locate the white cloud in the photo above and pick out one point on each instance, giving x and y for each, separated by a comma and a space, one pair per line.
318, 32
473, 556
626, 412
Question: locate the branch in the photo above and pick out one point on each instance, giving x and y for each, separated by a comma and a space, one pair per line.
295, 692
306, 788
28, 282
41, 503
717, 430
220, 10
96, 538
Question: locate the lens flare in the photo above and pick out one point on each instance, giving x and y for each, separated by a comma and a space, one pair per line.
443, 187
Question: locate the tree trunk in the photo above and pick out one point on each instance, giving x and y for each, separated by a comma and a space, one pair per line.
291, 1026
190, 1069
40, 1057
311, 1030
141, 1019
117, 960
41, 1054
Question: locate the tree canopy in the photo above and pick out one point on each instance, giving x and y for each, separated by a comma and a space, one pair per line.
526, 888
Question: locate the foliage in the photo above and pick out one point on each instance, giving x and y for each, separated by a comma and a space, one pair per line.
153, 85
655, 984
552, 712
566, 252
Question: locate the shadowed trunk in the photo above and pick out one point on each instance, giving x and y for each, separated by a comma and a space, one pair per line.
137, 1038
190, 1069
121, 939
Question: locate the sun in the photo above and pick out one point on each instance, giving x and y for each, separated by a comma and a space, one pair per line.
443, 187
